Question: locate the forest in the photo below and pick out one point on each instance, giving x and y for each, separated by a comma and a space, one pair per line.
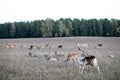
64, 27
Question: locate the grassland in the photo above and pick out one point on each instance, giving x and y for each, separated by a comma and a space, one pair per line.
16, 64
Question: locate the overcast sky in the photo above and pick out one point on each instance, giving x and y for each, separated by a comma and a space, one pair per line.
29, 10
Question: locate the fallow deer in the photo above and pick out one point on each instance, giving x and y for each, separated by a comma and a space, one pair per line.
59, 55
60, 46
48, 46
34, 46
99, 44
88, 60
11, 46
71, 56
23, 46
32, 55
50, 58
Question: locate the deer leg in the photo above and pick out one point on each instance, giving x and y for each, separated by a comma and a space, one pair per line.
83, 68
96, 65
98, 69
79, 67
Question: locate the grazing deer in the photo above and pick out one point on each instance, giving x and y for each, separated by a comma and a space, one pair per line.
111, 56
34, 46
23, 45
49, 58
88, 60
71, 56
48, 46
99, 44
60, 46
11, 45
59, 55
31, 55
83, 45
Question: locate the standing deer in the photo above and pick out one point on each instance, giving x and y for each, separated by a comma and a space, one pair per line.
86, 59
99, 44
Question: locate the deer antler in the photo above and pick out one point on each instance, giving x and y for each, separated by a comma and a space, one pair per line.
80, 49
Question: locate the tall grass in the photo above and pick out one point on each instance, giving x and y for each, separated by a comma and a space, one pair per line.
19, 67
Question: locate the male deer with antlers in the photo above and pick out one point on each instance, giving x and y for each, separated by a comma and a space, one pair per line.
86, 59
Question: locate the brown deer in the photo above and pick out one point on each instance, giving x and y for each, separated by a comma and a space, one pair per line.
11, 46
71, 56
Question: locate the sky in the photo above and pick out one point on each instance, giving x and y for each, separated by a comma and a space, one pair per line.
30, 10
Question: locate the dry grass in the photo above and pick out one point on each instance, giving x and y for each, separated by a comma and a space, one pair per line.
16, 64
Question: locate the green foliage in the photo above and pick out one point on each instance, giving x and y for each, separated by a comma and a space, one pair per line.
12, 30
4, 30
76, 25
60, 28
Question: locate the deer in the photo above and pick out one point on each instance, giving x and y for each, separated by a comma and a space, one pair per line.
86, 59
48, 46
71, 56
51, 58
99, 44
11, 45
83, 45
34, 46
23, 46
32, 55
60, 46
59, 55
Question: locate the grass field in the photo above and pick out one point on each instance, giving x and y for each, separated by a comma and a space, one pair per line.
17, 64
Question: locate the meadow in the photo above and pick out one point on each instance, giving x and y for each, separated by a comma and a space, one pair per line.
17, 64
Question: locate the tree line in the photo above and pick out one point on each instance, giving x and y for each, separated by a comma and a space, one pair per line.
60, 28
